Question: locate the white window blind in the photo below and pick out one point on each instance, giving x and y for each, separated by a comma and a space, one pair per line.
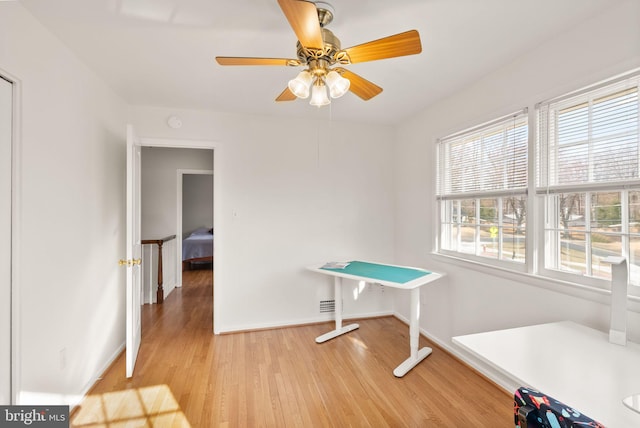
588, 180
590, 138
488, 160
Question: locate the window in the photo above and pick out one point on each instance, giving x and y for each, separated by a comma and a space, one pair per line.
588, 181
482, 191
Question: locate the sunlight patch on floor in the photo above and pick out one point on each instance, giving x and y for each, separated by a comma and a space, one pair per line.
150, 406
359, 343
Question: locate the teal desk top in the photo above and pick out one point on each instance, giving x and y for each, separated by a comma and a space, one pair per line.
400, 275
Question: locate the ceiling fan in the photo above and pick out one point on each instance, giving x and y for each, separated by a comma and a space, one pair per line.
319, 50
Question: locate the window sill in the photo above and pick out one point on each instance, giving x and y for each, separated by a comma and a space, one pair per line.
582, 291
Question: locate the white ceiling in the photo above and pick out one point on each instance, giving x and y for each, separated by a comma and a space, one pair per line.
161, 52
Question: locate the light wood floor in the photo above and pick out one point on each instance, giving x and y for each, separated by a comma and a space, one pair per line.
186, 376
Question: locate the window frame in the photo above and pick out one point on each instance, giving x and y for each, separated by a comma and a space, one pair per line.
547, 187
584, 279
536, 246
511, 121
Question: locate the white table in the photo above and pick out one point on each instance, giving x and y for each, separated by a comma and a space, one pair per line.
572, 363
416, 355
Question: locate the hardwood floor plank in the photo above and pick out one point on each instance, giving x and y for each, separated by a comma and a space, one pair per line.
188, 377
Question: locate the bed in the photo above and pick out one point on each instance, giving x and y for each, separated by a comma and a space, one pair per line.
197, 248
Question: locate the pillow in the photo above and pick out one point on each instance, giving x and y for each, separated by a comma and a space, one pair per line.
200, 231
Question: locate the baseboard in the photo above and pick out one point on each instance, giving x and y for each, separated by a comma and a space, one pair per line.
167, 290
502, 380
300, 323
89, 385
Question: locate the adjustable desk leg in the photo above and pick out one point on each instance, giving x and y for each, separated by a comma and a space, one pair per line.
414, 338
337, 295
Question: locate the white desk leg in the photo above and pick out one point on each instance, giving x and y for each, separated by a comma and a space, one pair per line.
414, 338
337, 295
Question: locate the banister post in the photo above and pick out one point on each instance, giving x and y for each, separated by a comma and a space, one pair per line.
160, 291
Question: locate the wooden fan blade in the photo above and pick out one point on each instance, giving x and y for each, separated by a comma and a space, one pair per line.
359, 85
286, 95
233, 60
407, 43
303, 18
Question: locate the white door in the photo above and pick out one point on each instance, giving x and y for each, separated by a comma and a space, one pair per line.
6, 89
134, 249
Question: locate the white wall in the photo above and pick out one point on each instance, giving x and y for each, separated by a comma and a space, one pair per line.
197, 202
293, 193
70, 229
471, 300
159, 185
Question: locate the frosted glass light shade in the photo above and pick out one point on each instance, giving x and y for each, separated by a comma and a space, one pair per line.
319, 95
301, 84
338, 85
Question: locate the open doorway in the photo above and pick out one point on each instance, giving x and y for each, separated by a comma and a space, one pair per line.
195, 218
167, 221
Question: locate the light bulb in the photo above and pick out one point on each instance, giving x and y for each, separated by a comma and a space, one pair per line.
301, 84
319, 95
338, 85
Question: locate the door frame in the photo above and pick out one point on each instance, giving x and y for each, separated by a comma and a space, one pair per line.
179, 180
218, 260
14, 290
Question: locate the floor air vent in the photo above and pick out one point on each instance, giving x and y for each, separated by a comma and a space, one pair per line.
327, 306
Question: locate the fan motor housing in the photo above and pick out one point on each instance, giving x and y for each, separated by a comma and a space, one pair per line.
328, 52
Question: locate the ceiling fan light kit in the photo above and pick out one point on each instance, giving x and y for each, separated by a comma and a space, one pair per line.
320, 51
319, 95
301, 84
317, 83
338, 85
